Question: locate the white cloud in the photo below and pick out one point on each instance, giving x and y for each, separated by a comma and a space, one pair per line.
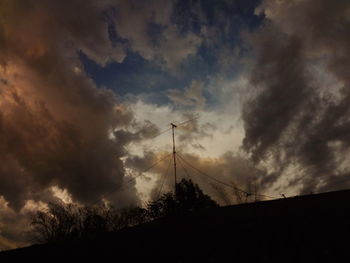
192, 96
133, 20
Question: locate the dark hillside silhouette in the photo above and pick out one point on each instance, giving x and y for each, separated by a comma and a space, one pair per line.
312, 228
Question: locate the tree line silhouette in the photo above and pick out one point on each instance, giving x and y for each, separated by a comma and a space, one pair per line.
62, 222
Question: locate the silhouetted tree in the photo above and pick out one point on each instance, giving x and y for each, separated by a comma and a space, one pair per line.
62, 222
129, 217
188, 198
67, 221
59, 222
161, 207
95, 220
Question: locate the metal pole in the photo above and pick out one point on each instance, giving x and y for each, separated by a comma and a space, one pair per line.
173, 126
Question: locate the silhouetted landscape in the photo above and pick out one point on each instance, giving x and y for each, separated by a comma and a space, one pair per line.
308, 228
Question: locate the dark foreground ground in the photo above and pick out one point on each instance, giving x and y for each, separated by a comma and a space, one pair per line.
314, 228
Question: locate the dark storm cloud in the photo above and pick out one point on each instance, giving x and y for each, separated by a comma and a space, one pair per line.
280, 79
146, 130
293, 118
141, 163
55, 125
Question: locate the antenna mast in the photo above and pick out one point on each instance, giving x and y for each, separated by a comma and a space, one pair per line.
173, 126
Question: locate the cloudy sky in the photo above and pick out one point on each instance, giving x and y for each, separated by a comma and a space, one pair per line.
87, 88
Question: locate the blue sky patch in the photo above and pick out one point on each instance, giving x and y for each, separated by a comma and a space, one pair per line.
136, 76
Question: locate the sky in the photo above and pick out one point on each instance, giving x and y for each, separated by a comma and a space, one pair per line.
88, 87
